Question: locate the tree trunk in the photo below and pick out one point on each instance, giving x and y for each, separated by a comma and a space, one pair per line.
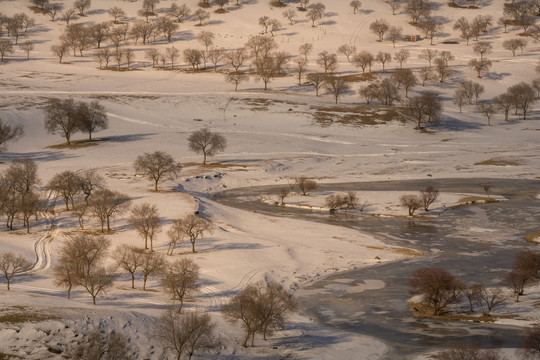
155, 185
94, 299
244, 344
204, 157
193, 245
7, 281
133, 280
69, 292
144, 282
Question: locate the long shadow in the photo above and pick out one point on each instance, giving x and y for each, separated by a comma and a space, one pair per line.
127, 138
453, 124
211, 246
38, 156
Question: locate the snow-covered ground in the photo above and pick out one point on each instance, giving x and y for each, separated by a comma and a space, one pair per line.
273, 136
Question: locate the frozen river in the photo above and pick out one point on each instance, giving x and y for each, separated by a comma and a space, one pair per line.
477, 243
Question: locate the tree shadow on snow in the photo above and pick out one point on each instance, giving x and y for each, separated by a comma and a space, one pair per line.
127, 138
38, 156
453, 124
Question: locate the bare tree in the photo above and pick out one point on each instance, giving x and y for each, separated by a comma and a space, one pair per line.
193, 57
316, 80
236, 58
290, 15
305, 49
512, 45
482, 48
429, 195
316, 11
383, 58
207, 142
180, 12
116, 13
61, 117
206, 38
531, 344
429, 55
261, 308
79, 257
9, 133
202, 15
480, 65
442, 69
526, 267
401, 56
243, 308
98, 281
395, 33
379, 27
300, 67
411, 203
67, 185
130, 259
488, 299
270, 66
81, 5
30, 205
395, 5
192, 227
418, 9
181, 280
387, 92
363, 59
221, 4
336, 86
91, 117
12, 264
146, 221
215, 55
306, 184
283, 193
347, 50
356, 5
156, 166
27, 47
504, 102
236, 77
185, 333
106, 204
260, 46
439, 288
333, 202
488, 109
59, 50
523, 96
427, 74
153, 264
406, 78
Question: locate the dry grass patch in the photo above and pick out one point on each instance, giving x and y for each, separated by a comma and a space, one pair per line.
22, 314
474, 199
357, 115
423, 311
533, 238
214, 165
360, 77
500, 162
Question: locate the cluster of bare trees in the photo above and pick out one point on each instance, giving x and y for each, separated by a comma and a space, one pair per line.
66, 117
423, 200
19, 196
88, 196
440, 289
191, 227
15, 27
261, 308
304, 184
518, 97
348, 201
